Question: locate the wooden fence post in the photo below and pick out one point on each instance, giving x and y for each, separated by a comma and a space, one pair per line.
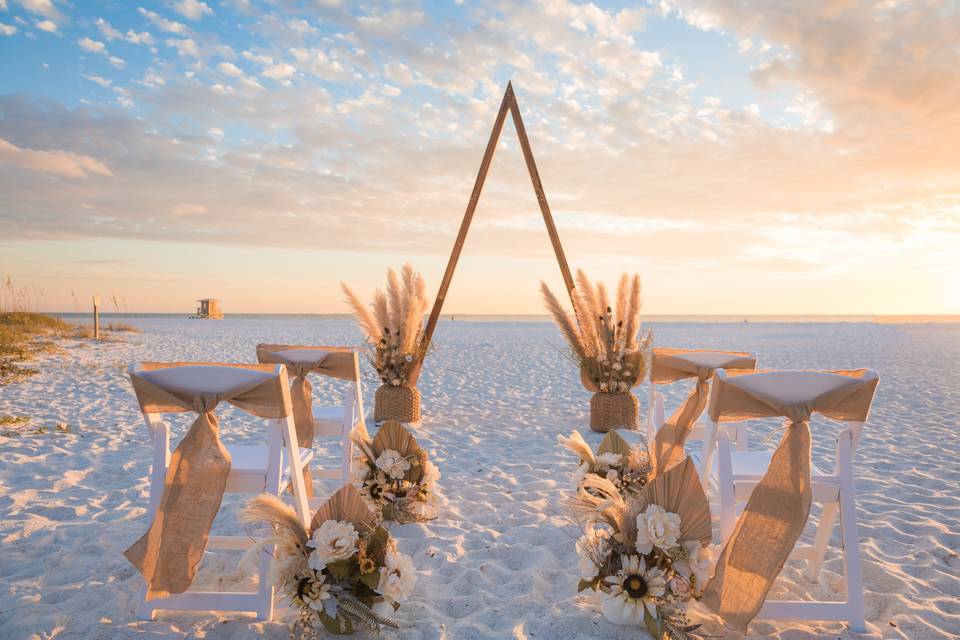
96, 317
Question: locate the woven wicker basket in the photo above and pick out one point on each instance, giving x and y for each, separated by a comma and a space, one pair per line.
397, 403
613, 410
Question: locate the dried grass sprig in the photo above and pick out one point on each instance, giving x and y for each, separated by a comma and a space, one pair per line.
567, 325
398, 318
612, 352
269, 508
365, 319
575, 443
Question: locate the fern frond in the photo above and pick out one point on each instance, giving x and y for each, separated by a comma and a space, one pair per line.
364, 615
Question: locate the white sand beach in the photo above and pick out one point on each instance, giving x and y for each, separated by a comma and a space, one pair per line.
499, 561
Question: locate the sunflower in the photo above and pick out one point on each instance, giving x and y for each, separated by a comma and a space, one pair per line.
633, 589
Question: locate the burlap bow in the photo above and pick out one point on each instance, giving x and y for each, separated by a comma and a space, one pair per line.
670, 365
168, 553
779, 506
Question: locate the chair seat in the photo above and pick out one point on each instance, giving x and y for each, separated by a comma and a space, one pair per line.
252, 459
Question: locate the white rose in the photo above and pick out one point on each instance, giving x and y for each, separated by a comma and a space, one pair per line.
612, 475
393, 464
331, 541
397, 577
593, 546
656, 527
696, 563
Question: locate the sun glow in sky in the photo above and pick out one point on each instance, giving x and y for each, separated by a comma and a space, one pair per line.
743, 157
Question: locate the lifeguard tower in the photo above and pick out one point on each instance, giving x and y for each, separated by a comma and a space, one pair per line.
209, 309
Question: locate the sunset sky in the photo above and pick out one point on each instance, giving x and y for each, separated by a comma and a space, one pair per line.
743, 157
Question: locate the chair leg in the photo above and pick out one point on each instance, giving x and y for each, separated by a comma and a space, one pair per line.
725, 488
347, 455
300, 502
265, 588
849, 534
824, 530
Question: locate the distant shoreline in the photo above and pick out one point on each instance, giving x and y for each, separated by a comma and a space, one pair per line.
653, 318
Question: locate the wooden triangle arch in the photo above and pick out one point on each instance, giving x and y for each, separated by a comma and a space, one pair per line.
509, 104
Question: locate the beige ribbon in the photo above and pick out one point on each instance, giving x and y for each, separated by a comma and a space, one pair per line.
167, 555
779, 506
669, 366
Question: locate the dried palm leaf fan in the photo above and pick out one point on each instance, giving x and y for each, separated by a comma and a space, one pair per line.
394, 331
398, 480
607, 344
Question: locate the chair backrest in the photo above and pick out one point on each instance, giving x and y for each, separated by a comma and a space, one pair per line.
177, 387
341, 363
842, 395
670, 365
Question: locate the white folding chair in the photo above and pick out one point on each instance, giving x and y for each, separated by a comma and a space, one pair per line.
736, 473
663, 370
254, 469
331, 421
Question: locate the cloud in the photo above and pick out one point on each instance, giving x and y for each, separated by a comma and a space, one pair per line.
58, 163
192, 9
103, 82
7, 29
162, 23
848, 129
47, 25
184, 46
107, 30
279, 72
44, 8
143, 37
187, 209
93, 46
230, 69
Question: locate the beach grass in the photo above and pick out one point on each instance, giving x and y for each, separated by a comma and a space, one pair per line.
24, 334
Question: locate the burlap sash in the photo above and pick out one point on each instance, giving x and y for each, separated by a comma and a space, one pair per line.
778, 508
669, 365
168, 553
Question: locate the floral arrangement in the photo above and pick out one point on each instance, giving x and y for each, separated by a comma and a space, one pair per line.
394, 328
394, 475
342, 572
605, 340
647, 557
627, 468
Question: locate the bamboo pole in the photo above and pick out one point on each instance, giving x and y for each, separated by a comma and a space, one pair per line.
509, 103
